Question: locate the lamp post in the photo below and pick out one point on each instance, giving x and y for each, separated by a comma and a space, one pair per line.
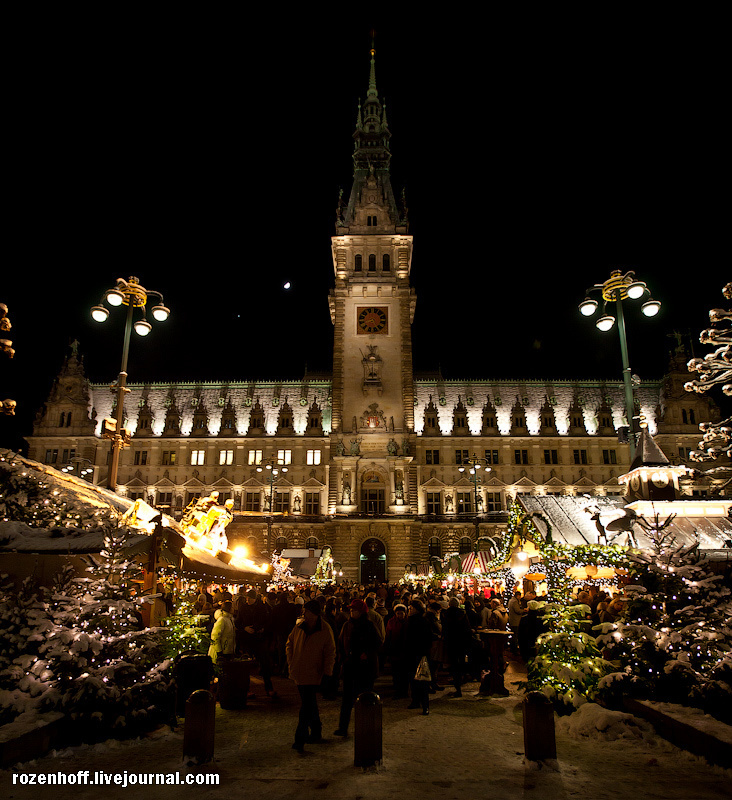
274, 468
133, 295
615, 289
473, 465
75, 468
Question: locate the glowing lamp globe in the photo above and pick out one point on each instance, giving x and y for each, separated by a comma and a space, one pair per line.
606, 322
636, 290
115, 297
588, 307
99, 314
651, 308
142, 327
160, 313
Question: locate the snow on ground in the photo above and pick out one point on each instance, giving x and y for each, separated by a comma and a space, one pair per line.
467, 747
592, 721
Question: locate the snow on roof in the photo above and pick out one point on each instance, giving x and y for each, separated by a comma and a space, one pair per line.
80, 497
572, 522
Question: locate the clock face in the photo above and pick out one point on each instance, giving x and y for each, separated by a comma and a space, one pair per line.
372, 319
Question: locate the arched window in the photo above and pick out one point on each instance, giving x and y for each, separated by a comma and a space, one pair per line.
465, 545
281, 543
386, 262
434, 547
358, 263
372, 263
311, 543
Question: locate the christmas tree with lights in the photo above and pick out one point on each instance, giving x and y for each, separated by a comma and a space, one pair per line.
568, 664
674, 642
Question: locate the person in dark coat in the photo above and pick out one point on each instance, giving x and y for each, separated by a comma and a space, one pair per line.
284, 617
418, 643
254, 636
531, 626
395, 649
457, 638
359, 645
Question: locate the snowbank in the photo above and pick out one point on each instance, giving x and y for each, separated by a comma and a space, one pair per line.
595, 722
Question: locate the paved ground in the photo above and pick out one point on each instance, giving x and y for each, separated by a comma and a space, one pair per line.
467, 747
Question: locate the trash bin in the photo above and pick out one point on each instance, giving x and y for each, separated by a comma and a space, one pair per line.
192, 671
233, 684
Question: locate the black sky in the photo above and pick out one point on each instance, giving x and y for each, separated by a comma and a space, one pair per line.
205, 157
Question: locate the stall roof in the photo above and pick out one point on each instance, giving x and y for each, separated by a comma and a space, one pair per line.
302, 564
572, 523
18, 537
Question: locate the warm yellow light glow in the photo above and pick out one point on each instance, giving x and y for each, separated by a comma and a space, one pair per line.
682, 508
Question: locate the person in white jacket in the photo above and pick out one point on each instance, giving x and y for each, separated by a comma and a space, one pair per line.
223, 635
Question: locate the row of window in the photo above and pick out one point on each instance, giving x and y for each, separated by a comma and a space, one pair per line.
520, 456
519, 421
385, 262
250, 501
169, 458
201, 422
463, 502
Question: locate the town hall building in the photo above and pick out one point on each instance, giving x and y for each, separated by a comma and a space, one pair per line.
376, 462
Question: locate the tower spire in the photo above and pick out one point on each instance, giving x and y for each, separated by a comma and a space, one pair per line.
371, 205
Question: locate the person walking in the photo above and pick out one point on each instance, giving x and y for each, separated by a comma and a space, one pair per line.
457, 637
418, 643
311, 655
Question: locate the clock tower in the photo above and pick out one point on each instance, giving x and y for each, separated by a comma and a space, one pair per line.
372, 308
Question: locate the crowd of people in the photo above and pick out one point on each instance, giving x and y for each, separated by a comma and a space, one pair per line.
339, 639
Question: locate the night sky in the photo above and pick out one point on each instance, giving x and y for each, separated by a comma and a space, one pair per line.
206, 159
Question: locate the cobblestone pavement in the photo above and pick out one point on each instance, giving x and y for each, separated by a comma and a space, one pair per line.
469, 747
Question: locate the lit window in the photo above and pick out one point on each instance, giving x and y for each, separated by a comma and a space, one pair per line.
580, 456
464, 502
255, 457
313, 457
198, 457
226, 457
284, 456
312, 502
434, 504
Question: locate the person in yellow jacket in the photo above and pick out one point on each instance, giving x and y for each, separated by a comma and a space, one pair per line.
223, 635
311, 655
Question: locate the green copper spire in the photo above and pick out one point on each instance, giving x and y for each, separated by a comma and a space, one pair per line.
371, 177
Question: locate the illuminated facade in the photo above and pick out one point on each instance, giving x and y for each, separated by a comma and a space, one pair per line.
373, 453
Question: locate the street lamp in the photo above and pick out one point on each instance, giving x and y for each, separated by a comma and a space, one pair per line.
473, 465
132, 294
617, 288
75, 468
274, 468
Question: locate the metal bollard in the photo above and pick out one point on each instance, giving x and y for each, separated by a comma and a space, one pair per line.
200, 725
539, 740
367, 738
